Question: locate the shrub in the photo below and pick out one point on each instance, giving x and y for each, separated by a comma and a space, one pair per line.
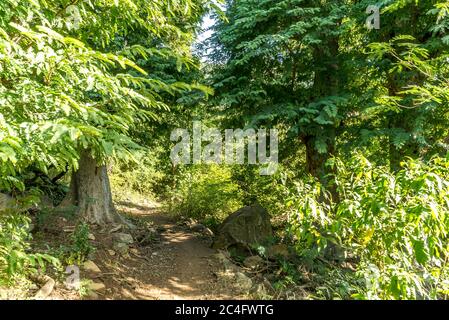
206, 192
393, 226
137, 178
79, 248
16, 261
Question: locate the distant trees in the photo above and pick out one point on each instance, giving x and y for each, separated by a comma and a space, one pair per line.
314, 68
67, 94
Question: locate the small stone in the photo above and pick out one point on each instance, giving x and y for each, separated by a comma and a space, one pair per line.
226, 262
197, 227
46, 290
93, 295
123, 238
243, 281
267, 284
69, 229
111, 252
121, 248
33, 286
152, 230
221, 255
208, 232
90, 266
253, 262
97, 286
91, 237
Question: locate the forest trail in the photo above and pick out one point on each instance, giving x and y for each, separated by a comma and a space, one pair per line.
178, 264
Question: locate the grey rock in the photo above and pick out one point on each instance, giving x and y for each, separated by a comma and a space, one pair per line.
123, 238
90, 266
116, 228
224, 261
243, 281
208, 232
197, 227
93, 295
248, 226
121, 248
259, 290
97, 286
46, 290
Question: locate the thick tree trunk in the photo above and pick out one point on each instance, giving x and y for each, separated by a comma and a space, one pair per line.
327, 83
316, 162
90, 192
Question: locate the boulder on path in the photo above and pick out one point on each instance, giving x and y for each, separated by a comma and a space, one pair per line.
248, 226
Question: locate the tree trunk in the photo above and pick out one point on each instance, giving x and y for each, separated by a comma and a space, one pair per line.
90, 192
315, 161
326, 83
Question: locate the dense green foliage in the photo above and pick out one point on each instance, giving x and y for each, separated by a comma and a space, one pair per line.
361, 194
70, 82
332, 86
394, 226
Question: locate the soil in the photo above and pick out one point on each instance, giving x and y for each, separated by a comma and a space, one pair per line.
176, 263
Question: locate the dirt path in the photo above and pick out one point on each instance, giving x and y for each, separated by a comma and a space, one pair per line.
178, 264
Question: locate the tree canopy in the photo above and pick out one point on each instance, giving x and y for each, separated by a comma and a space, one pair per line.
92, 90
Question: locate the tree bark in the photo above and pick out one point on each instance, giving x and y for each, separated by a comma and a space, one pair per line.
90, 192
327, 83
316, 162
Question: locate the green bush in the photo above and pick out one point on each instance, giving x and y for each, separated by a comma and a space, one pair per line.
16, 261
206, 192
269, 191
392, 226
79, 248
141, 177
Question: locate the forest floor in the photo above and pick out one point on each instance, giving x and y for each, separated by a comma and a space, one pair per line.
174, 263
